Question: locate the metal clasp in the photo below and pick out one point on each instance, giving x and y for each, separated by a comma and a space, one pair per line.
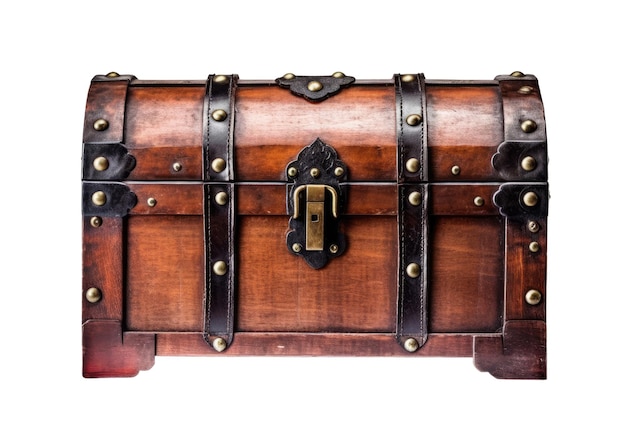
315, 212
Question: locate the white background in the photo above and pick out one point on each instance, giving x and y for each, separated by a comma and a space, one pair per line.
51, 50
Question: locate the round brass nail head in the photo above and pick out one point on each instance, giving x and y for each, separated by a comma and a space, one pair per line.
414, 119
218, 165
296, 247
220, 79
93, 295
177, 166
292, 172
413, 270
533, 226
100, 163
315, 86
411, 345
112, 74
96, 221
525, 90
415, 198
479, 201
408, 77
100, 124
529, 163
530, 199
99, 198
221, 198
151, 201
528, 126
339, 171
315, 172
338, 75
412, 165
219, 344
533, 247
219, 115
220, 268
517, 74
333, 248
455, 170
533, 297
289, 76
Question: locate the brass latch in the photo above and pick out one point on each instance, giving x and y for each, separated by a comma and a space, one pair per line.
315, 212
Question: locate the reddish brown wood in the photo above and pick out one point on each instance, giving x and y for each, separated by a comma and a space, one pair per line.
181, 198
459, 199
106, 100
157, 163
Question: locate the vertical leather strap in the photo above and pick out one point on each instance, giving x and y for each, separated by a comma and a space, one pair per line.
411, 128
412, 328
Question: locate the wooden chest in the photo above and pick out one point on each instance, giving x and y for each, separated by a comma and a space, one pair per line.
317, 215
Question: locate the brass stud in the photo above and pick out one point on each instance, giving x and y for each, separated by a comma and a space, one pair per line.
338, 75
96, 221
339, 171
101, 124
292, 172
411, 345
220, 268
533, 297
415, 198
479, 201
219, 115
525, 90
100, 163
412, 165
333, 248
221, 198
530, 199
315, 86
289, 76
517, 74
455, 170
218, 165
529, 163
414, 120
408, 77
219, 344
296, 247
315, 172
93, 295
533, 247
151, 201
413, 270
533, 226
112, 74
528, 126
177, 166
99, 198
220, 79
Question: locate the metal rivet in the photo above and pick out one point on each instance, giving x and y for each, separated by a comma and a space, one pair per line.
412, 165
99, 198
533, 297
112, 74
455, 170
296, 247
220, 268
339, 171
101, 125
479, 201
528, 126
533, 226
415, 198
517, 74
413, 270
414, 120
315, 172
411, 345
96, 221
221, 198
220, 79
219, 115
292, 172
177, 166
289, 76
333, 248
338, 75
530, 199
218, 165
529, 163
525, 90
219, 344
408, 77
93, 295
315, 86
100, 163
151, 201
533, 247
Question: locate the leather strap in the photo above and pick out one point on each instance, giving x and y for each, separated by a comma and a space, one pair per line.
413, 269
411, 128
218, 123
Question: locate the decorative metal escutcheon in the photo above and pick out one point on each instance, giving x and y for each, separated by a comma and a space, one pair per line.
315, 88
315, 200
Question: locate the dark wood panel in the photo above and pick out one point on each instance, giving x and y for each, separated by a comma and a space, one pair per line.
169, 198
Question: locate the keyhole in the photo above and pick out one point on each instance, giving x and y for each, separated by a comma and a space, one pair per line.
315, 218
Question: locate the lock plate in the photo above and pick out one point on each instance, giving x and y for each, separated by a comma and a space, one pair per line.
314, 201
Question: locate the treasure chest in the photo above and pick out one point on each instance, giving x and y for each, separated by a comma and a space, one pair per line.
317, 216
